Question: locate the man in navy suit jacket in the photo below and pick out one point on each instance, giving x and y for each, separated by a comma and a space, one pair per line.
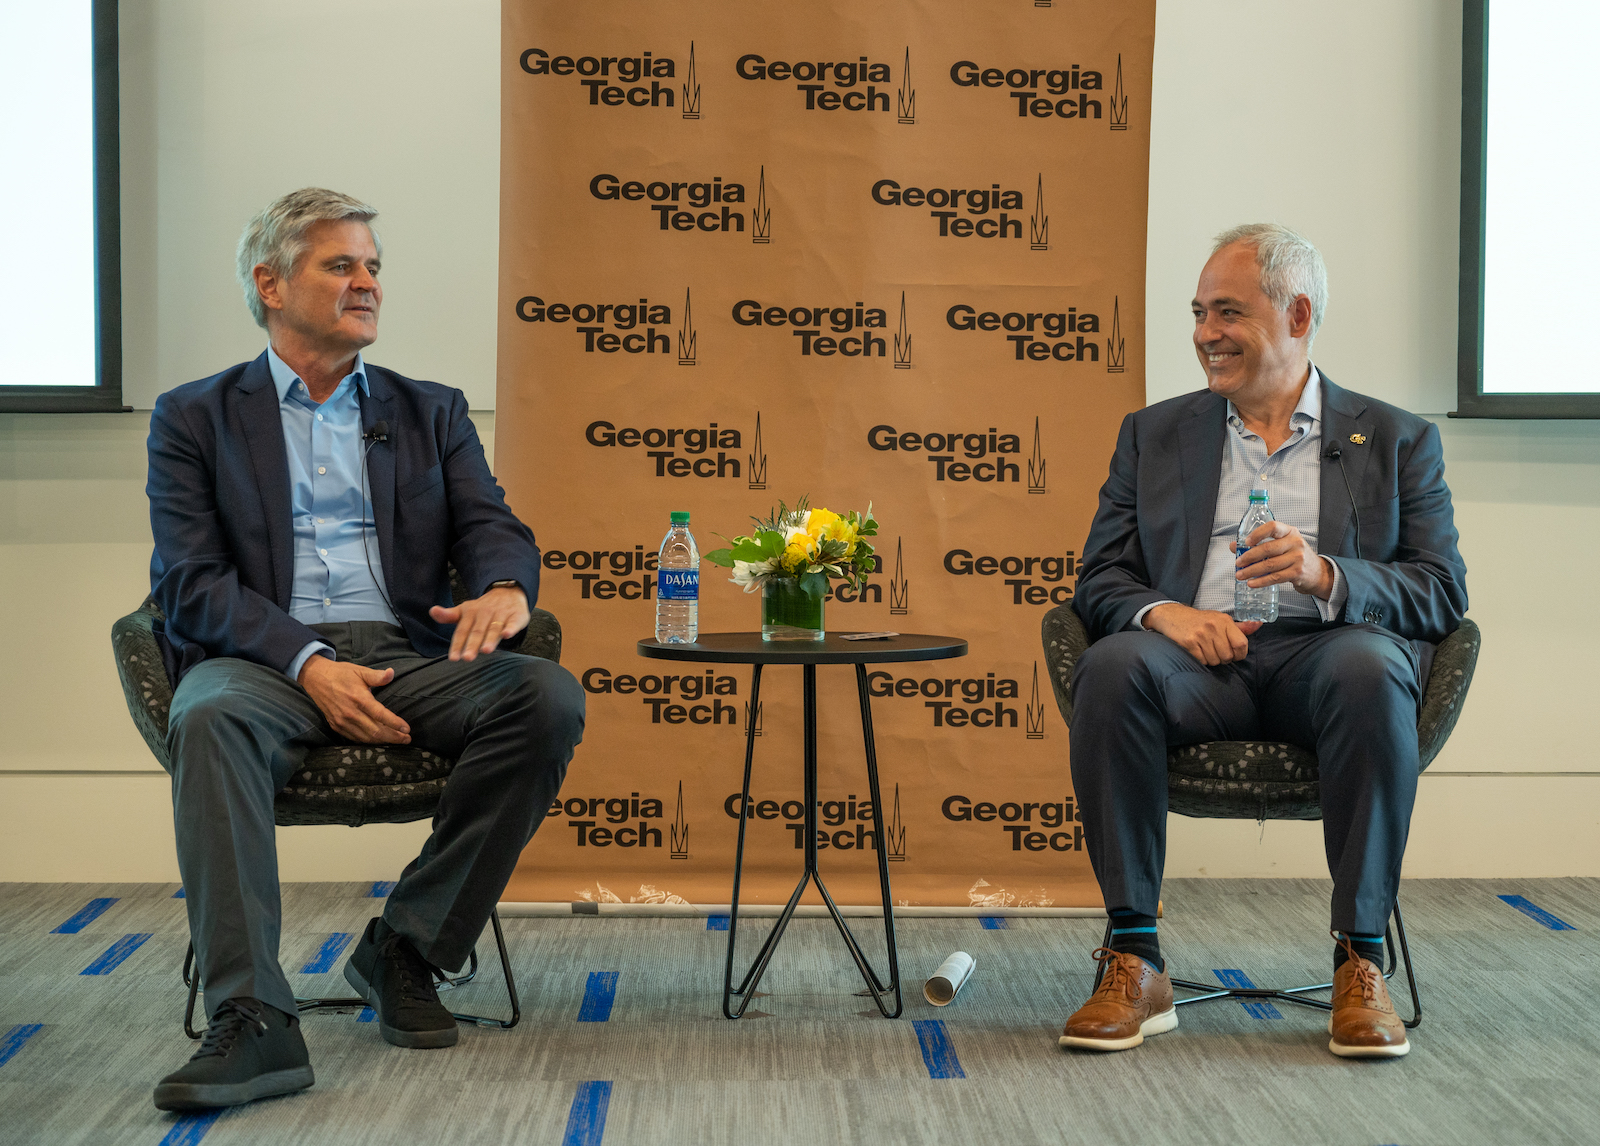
306, 509
1363, 552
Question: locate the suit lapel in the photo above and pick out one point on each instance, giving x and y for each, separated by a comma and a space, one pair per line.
269, 459
1200, 440
377, 406
1343, 416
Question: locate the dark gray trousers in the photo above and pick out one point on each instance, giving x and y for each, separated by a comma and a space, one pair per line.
1349, 693
237, 732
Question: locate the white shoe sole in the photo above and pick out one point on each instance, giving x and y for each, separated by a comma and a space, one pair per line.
1155, 1025
1367, 1052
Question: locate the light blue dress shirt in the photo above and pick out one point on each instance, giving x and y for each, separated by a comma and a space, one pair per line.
338, 575
1292, 474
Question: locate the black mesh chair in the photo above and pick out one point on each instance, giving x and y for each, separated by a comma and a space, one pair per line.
1239, 779
350, 784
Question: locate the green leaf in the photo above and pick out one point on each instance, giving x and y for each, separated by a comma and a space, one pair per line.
723, 557
814, 585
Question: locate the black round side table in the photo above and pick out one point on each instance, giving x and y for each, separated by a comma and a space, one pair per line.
750, 649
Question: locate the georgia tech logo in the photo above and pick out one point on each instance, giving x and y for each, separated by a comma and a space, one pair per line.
656, 694
1018, 573
847, 74
852, 819
953, 703
603, 574
589, 319
809, 320
1024, 327
670, 202
941, 450
979, 202
1030, 97
662, 446
629, 810
602, 91
1017, 818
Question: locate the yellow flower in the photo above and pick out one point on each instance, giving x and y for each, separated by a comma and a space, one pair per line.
800, 547
825, 525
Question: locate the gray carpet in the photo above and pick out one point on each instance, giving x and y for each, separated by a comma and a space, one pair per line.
1507, 1053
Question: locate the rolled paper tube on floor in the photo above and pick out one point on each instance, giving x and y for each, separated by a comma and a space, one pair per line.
941, 987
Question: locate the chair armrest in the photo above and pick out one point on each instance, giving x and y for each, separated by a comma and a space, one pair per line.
1446, 691
144, 677
1065, 640
542, 637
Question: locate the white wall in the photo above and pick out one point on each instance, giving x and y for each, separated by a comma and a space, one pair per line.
1340, 120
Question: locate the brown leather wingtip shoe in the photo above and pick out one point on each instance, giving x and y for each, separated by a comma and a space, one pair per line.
1132, 1001
1363, 1023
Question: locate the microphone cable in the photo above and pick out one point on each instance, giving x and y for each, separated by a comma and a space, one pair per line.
1334, 453
380, 433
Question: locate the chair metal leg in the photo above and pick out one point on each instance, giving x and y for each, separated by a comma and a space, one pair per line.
1205, 992
191, 979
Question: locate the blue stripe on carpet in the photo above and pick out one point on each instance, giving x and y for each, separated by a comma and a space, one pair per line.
995, 922
598, 996
190, 1128
178, 894
113, 956
381, 888
367, 1015
938, 1052
586, 1121
1255, 1008
332, 947
11, 1042
90, 911
1535, 913
717, 922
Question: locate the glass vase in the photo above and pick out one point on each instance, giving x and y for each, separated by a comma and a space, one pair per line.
788, 612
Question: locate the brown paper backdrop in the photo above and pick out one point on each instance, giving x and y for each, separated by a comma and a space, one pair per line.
1068, 239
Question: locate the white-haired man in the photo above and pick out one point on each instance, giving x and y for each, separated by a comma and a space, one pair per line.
1340, 672
306, 507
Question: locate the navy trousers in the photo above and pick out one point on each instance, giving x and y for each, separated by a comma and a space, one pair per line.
237, 732
1349, 693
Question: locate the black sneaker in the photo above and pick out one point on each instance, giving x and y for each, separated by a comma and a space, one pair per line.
387, 972
250, 1051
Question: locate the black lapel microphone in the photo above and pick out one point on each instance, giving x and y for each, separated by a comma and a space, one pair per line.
378, 433
1333, 454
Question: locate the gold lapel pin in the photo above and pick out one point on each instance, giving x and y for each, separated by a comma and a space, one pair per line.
1359, 439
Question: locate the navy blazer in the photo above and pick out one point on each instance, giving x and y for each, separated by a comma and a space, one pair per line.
223, 566
1149, 537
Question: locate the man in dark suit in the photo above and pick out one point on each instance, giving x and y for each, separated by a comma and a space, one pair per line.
306, 506
1340, 671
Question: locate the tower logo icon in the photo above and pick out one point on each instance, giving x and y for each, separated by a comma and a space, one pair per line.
752, 718
902, 339
1039, 227
758, 462
680, 830
899, 587
1119, 101
1036, 463
691, 89
895, 845
686, 335
760, 214
908, 94
1115, 343
1035, 709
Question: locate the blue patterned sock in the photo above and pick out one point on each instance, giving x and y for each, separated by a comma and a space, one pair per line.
1135, 934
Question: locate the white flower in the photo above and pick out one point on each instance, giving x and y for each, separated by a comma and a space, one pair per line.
748, 575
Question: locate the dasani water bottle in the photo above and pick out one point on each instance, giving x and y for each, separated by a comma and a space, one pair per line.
1253, 604
678, 585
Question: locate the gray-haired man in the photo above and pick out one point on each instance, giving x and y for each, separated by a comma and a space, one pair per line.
306, 507
1340, 672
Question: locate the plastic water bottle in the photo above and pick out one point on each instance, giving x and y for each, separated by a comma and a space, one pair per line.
1254, 604
678, 585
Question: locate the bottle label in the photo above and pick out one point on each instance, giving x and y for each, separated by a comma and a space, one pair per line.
678, 584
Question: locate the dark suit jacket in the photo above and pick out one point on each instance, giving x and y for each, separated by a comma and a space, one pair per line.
223, 565
1149, 537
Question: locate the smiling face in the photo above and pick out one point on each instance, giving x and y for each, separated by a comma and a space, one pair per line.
1248, 348
331, 300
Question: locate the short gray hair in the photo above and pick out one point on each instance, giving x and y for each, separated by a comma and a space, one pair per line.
277, 236
1289, 264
